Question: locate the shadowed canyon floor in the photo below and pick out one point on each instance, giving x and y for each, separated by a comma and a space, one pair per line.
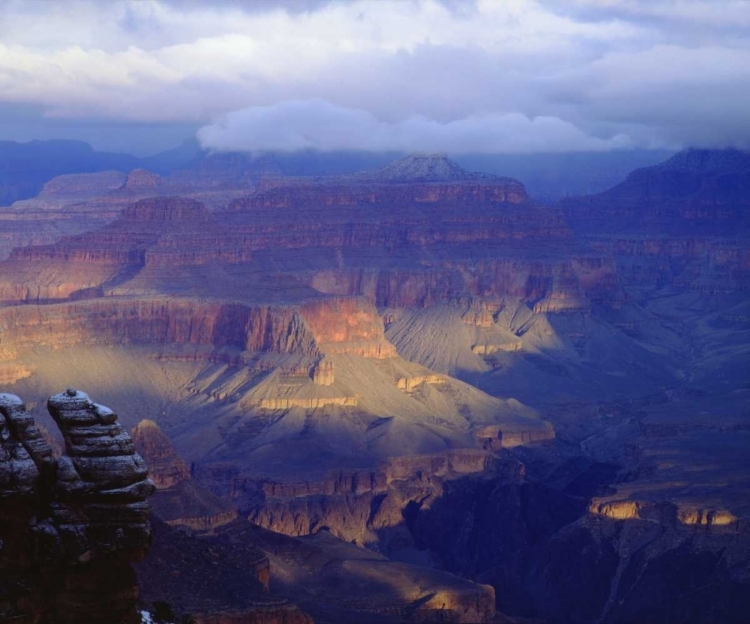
552, 401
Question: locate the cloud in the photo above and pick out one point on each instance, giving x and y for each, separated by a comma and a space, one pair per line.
695, 16
605, 73
320, 125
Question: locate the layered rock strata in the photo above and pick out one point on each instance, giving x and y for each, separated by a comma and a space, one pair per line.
365, 507
494, 234
334, 326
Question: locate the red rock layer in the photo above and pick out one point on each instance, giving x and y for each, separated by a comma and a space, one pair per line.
337, 325
563, 285
157, 322
289, 195
347, 325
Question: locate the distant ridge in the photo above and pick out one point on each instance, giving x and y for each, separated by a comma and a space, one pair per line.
723, 174
708, 161
422, 167
696, 191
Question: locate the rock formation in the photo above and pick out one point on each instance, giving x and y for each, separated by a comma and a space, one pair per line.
73, 524
165, 468
367, 508
178, 501
142, 179
212, 582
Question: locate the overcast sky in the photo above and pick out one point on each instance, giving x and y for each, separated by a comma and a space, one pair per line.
450, 75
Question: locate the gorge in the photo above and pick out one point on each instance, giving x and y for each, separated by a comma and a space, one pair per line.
409, 394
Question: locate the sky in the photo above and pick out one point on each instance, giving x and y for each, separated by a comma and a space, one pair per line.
461, 76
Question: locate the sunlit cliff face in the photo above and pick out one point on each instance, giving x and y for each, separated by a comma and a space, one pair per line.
710, 519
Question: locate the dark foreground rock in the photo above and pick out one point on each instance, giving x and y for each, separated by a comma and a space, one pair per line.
70, 528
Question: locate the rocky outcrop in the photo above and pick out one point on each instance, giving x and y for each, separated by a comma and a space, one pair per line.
311, 403
74, 523
366, 507
408, 384
81, 185
323, 373
497, 436
102, 483
347, 325
142, 179
158, 321
489, 349
165, 468
555, 286
419, 178
70, 528
668, 514
178, 501
212, 581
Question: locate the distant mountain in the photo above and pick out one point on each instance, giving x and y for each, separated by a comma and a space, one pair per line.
693, 192
700, 176
25, 167
547, 177
707, 162
423, 168
185, 156
551, 177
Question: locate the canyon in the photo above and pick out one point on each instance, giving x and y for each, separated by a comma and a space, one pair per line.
411, 393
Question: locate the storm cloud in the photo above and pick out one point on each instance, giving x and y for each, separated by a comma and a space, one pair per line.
490, 75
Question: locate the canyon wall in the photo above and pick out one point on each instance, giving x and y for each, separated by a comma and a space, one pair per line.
335, 325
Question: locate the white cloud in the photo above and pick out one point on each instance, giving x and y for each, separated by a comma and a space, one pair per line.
660, 72
317, 124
